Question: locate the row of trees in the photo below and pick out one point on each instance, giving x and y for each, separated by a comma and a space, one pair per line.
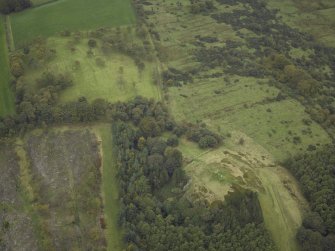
8, 6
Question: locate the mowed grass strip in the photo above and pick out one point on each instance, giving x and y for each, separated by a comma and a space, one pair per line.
6, 95
110, 189
47, 20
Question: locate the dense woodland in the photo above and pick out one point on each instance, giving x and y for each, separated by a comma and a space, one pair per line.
316, 174
8, 6
157, 215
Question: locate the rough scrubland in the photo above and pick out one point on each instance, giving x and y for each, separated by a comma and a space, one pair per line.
65, 170
15, 214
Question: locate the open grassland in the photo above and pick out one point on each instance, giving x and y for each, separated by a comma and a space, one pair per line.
49, 19
6, 95
115, 77
109, 188
216, 172
319, 15
249, 106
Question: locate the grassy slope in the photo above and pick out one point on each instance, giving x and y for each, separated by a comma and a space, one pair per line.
281, 212
110, 189
74, 15
6, 95
242, 106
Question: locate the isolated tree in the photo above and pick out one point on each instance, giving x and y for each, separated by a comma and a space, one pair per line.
92, 43
207, 141
16, 65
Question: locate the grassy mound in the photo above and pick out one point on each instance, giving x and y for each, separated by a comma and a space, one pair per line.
217, 172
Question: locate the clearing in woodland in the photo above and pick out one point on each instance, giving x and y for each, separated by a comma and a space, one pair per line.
100, 64
15, 213
217, 172
60, 173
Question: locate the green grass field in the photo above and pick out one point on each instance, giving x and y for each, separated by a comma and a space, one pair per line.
110, 189
244, 107
6, 95
49, 19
